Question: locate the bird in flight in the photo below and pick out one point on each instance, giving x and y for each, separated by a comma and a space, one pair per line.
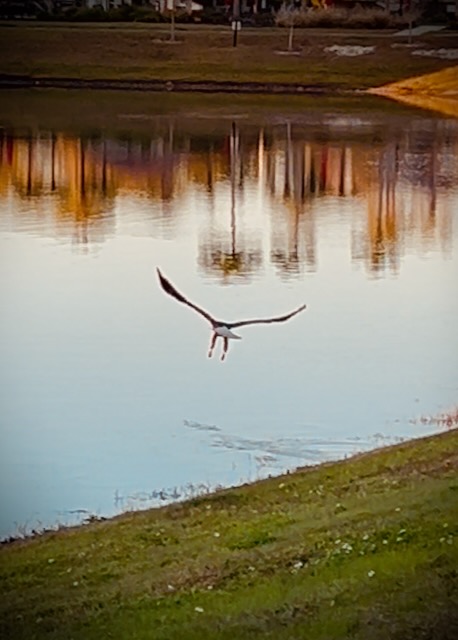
221, 329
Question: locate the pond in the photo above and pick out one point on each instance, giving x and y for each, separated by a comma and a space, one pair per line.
108, 399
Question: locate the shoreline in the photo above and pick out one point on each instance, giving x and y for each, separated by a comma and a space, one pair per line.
290, 554
8, 81
215, 494
424, 92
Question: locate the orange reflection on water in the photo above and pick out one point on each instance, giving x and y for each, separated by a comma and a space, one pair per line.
395, 187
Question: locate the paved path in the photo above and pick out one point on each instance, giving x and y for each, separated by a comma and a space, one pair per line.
419, 31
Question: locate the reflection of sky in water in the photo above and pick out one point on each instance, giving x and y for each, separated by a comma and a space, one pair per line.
100, 370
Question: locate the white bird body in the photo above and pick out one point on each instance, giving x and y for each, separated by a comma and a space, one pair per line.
225, 332
220, 329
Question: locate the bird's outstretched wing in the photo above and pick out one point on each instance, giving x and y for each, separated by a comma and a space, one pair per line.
242, 323
170, 289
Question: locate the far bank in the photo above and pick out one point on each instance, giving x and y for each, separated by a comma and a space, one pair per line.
319, 59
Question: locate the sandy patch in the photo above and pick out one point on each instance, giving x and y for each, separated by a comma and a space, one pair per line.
435, 91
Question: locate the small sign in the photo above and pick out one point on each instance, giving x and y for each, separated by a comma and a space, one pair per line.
236, 25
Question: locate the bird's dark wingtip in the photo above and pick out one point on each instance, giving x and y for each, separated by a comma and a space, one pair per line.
165, 284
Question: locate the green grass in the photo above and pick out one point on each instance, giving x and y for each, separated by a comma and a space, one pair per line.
364, 548
206, 53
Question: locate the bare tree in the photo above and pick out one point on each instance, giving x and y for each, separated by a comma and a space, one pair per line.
288, 19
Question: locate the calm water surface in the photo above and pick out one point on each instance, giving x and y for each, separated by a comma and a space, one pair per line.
108, 400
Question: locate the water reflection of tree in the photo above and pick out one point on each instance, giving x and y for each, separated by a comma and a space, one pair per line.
293, 238
382, 218
401, 195
394, 176
64, 180
227, 254
90, 196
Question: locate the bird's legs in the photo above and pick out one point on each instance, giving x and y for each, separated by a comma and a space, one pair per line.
225, 348
212, 344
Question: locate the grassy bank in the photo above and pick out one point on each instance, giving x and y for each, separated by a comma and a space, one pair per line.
204, 53
365, 548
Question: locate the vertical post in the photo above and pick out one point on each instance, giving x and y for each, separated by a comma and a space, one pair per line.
235, 20
409, 7
172, 22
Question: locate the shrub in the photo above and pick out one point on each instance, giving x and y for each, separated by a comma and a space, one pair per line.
214, 16
124, 13
263, 20
146, 14
81, 14
356, 18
